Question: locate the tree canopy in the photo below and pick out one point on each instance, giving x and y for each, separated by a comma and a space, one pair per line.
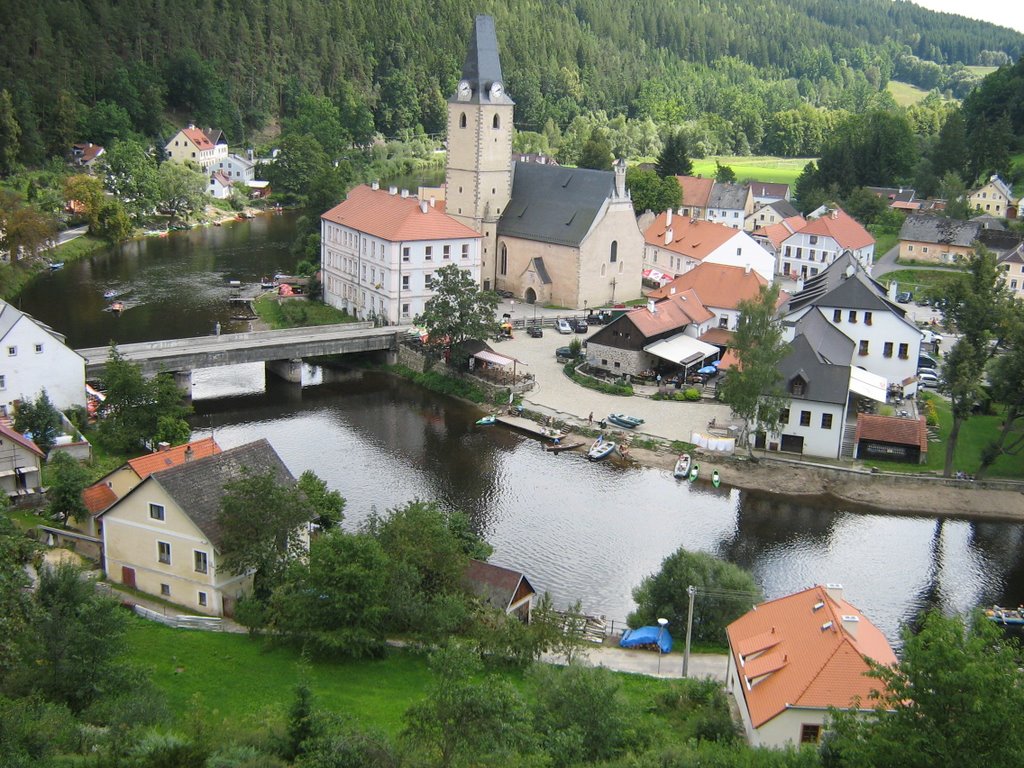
458, 310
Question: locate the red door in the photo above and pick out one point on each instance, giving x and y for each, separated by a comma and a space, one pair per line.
128, 576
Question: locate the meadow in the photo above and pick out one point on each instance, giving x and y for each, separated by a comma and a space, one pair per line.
782, 170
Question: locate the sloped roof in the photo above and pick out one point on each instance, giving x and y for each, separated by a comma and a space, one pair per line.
9, 316
20, 439
1001, 186
718, 285
893, 194
197, 137
394, 218
843, 285
496, 585
778, 232
98, 497
222, 177
783, 208
720, 337
812, 656
672, 313
926, 228
1016, 256
731, 196
88, 152
159, 460
831, 344
824, 381
841, 227
696, 191
695, 239
769, 190
197, 487
553, 204
892, 429
482, 66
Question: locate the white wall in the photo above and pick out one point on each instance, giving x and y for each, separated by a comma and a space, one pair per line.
817, 441
741, 250
32, 359
816, 252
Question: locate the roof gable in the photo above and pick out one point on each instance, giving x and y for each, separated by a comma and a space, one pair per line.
717, 285
19, 439
159, 460
696, 239
391, 217
841, 227
554, 204
197, 137
696, 191
822, 381
498, 586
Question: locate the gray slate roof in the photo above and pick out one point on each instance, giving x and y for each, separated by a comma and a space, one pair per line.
831, 344
893, 194
784, 208
483, 66
843, 285
731, 196
9, 316
824, 382
939, 229
198, 486
554, 204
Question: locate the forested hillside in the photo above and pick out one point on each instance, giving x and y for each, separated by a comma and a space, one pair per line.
99, 70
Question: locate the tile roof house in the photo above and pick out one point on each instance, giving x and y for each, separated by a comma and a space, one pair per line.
890, 438
219, 187
828, 233
696, 194
502, 588
895, 197
773, 236
20, 463
164, 537
720, 288
86, 154
730, 204
675, 244
380, 248
205, 148
937, 239
995, 197
766, 214
793, 658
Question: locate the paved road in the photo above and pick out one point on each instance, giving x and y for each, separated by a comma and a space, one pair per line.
654, 664
70, 234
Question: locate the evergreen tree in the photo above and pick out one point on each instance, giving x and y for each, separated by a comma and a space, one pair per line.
673, 159
597, 152
10, 135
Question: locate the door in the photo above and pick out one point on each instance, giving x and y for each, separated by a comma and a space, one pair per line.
128, 576
793, 443
531, 296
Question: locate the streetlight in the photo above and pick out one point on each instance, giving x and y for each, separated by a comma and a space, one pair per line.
661, 625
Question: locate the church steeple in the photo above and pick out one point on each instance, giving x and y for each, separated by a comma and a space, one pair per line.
478, 176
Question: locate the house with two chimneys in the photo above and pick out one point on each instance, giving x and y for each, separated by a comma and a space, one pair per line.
828, 233
794, 658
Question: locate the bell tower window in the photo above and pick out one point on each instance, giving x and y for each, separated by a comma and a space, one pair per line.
462, 120
496, 122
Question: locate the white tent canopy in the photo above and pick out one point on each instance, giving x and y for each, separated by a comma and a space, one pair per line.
869, 385
681, 349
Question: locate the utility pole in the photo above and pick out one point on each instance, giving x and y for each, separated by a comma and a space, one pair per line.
691, 592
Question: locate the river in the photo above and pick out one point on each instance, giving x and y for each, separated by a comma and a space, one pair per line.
579, 530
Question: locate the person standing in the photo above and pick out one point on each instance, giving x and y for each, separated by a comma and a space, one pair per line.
590, 418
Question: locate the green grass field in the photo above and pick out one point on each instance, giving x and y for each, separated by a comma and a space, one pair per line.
916, 280
296, 313
760, 168
905, 94
982, 71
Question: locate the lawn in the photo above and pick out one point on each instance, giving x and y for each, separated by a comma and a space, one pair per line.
295, 313
885, 238
905, 94
917, 280
760, 168
981, 71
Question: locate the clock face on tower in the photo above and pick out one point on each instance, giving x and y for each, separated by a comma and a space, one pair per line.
496, 91
464, 90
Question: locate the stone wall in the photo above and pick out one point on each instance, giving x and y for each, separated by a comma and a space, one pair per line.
630, 361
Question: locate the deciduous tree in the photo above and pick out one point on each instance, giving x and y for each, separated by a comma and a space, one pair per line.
181, 190
130, 173
458, 310
597, 152
1006, 385
652, 193
40, 418
64, 496
10, 135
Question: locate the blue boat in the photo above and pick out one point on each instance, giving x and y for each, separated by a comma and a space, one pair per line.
647, 636
622, 420
486, 421
601, 449
1005, 616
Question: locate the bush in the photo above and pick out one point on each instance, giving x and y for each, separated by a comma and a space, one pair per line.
443, 384
608, 388
692, 394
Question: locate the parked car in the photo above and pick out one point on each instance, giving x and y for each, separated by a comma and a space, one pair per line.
925, 361
928, 379
535, 331
564, 354
923, 302
562, 326
505, 294
930, 336
579, 326
928, 371
904, 297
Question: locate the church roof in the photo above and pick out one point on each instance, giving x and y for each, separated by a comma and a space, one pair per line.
483, 66
554, 204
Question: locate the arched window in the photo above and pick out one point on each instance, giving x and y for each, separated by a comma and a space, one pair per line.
462, 120
615, 251
496, 122
504, 259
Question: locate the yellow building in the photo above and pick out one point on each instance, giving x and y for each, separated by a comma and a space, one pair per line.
205, 148
1012, 266
995, 198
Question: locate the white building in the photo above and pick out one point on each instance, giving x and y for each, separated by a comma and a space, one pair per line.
205, 148
237, 168
380, 249
675, 244
828, 233
34, 357
730, 204
220, 186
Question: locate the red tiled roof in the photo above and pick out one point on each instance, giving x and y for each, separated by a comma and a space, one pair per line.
20, 439
817, 660
395, 218
892, 429
730, 360
88, 152
695, 239
776, 233
98, 497
144, 466
198, 138
841, 227
717, 336
905, 205
717, 285
674, 312
222, 177
696, 191
769, 189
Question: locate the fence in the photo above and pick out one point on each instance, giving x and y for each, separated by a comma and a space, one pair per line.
208, 623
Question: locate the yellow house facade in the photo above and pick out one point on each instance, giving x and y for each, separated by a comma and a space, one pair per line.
994, 198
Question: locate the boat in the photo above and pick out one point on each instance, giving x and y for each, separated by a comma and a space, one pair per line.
486, 421
110, 294
559, 447
622, 420
716, 479
601, 449
1006, 616
117, 307
55, 265
694, 471
682, 470
266, 284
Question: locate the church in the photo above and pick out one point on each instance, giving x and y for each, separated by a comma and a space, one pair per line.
551, 235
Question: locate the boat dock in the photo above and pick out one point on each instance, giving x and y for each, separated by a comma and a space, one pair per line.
530, 427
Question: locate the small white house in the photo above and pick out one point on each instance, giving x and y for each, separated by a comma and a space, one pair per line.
828, 233
34, 357
236, 168
675, 244
220, 186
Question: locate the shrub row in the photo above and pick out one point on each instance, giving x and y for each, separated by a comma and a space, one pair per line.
601, 386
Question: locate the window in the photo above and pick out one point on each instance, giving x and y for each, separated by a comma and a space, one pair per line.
867, 318
447, 252
462, 124
465, 250
12, 351
809, 734
405, 310
602, 270
799, 253
739, 251
202, 599
164, 552
405, 282
615, 252
428, 280
39, 349
428, 253
784, 416
787, 251
156, 511
618, 364
910, 247
924, 249
826, 421
904, 351
405, 253
3, 381
805, 418
723, 322
504, 259
814, 239
496, 122
853, 316
1013, 285
837, 316
887, 349
200, 561
863, 347
165, 590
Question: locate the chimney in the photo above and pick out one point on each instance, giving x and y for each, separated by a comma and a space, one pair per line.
668, 236
668, 218
851, 624
163, 446
375, 185
392, 190
892, 291
835, 591
405, 193
746, 269
620, 178
433, 202
424, 206
189, 453
651, 308
672, 291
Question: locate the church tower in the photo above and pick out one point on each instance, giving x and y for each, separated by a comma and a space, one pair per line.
479, 170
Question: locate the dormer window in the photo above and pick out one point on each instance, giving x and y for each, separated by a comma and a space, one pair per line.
797, 386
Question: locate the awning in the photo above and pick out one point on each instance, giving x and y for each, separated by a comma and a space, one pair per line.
682, 350
869, 385
495, 358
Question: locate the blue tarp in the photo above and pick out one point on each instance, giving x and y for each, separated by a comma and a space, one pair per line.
647, 636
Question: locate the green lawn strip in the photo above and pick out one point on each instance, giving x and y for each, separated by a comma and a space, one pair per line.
78, 248
297, 313
917, 280
905, 94
761, 168
885, 239
981, 71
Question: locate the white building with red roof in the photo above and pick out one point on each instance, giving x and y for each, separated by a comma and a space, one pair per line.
828, 233
720, 287
380, 249
772, 236
793, 658
675, 244
20, 462
205, 148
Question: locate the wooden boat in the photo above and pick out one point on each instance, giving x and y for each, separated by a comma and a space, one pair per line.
682, 470
622, 420
1005, 616
694, 471
486, 421
117, 307
716, 479
559, 447
601, 449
